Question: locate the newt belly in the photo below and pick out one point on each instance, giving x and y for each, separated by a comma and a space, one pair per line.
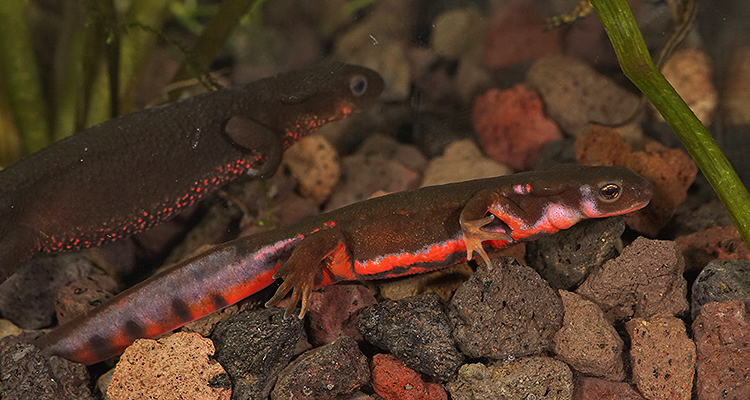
133, 172
399, 234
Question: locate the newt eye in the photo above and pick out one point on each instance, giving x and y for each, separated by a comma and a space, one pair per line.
609, 191
358, 85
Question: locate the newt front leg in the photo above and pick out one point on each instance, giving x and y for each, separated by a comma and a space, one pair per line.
474, 217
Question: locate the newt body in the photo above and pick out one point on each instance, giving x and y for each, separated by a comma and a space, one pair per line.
395, 235
128, 174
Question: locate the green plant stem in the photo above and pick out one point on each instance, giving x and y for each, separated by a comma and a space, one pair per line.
11, 148
21, 76
136, 44
637, 65
143, 19
213, 37
69, 71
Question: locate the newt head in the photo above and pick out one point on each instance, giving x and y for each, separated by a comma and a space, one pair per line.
562, 196
325, 93
609, 191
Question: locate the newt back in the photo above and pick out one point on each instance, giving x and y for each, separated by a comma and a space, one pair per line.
133, 172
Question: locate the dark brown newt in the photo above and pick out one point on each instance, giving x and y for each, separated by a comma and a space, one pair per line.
395, 235
133, 172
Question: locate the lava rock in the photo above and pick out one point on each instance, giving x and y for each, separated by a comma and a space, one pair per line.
177, 366
324, 373
28, 297
587, 341
512, 127
558, 79
671, 171
416, 330
83, 295
722, 338
393, 380
522, 24
508, 310
541, 378
27, 374
645, 280
253, 347
721, 281
462, 160
566, 258
588, 388
332, 312
722, 242
662, 357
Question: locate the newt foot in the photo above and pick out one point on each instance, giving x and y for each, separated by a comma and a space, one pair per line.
297, 280
474, 236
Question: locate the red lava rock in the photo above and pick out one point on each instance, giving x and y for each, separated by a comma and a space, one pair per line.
324, 373
722, 338
588, 388
83, 295
575, 95
332, 311
178, 366
722, 242
541, 378
587, 341
393, 380
645, 280
517, 33
671, 171
662, 357
512, 127
690, 73
507, 311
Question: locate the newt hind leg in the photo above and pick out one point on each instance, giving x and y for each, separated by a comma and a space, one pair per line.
320, 259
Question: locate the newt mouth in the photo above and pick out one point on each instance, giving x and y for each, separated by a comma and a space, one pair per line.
497, 225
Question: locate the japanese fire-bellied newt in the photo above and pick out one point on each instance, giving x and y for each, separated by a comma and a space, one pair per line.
130, 173
389, 236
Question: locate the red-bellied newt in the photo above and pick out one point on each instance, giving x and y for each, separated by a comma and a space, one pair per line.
133, 172
394, 235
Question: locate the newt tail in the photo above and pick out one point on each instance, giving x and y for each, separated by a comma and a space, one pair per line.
395, 235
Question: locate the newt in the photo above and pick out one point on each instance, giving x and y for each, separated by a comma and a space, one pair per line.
133, 172
390, 236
